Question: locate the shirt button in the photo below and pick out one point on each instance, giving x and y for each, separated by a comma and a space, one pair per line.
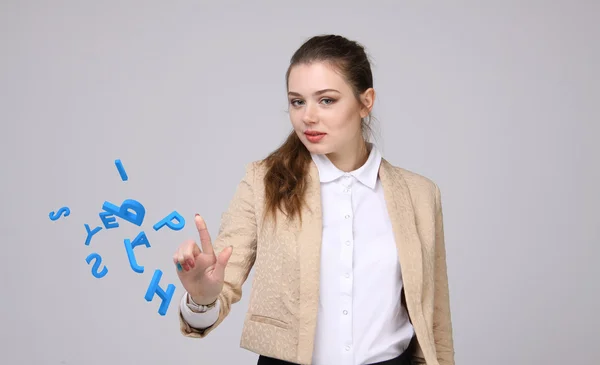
347, 276
345, 312
347, 216
347, 348
347, 243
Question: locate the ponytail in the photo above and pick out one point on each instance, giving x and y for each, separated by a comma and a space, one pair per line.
285, 178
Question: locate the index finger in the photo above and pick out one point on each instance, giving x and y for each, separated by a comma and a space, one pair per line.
205, 240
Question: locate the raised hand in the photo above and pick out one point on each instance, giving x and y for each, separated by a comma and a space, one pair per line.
201, 272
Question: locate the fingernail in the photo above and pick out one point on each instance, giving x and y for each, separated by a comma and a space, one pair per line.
179, 268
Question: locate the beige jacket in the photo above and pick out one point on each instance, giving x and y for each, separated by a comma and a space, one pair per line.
282, 311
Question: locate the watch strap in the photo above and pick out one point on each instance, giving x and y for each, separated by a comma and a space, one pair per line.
198, 308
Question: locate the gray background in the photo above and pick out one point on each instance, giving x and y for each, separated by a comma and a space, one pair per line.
495, 101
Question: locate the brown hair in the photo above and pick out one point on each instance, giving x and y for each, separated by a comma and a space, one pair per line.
287, 165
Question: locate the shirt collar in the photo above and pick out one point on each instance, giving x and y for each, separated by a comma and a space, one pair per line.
367, 174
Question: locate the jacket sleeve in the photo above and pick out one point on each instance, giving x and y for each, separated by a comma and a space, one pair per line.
442, 323
238, 229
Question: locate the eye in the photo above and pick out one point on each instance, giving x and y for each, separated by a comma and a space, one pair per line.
328, 101
295, 102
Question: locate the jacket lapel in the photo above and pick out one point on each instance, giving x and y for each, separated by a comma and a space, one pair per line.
309, 251
408, 244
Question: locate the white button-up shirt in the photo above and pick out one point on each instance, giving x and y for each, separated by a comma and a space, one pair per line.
361, 318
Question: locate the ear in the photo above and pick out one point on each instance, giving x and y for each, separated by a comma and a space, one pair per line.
368, 100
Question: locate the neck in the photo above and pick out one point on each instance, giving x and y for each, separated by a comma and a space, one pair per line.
352, 157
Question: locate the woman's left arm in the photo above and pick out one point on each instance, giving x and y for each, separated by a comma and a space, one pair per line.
442, 323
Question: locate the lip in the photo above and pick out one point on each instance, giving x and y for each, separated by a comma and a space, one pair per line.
314, 136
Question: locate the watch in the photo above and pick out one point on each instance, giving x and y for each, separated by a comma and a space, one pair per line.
198, 308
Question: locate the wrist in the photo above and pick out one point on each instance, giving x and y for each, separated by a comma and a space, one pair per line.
200, 300
202, 307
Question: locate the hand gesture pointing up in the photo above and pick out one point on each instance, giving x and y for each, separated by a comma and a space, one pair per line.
201, 272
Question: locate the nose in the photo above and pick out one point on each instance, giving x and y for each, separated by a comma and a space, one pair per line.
310, 114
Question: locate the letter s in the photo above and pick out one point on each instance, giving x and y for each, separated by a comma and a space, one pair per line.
98, 258
54, 216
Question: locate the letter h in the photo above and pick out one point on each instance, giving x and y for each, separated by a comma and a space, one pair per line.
166, 296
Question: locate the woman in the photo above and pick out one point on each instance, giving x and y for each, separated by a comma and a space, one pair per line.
348, 250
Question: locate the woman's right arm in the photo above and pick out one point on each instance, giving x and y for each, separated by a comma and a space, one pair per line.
198, 320
238, 229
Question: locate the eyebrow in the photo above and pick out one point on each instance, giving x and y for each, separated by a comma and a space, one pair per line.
293, 93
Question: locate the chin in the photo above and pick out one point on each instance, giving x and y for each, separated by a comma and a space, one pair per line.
316, 149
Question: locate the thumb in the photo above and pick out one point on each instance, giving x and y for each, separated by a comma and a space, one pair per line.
222, 261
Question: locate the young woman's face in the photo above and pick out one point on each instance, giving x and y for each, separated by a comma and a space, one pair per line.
323, 109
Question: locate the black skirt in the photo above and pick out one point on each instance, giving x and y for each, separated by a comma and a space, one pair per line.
403, 359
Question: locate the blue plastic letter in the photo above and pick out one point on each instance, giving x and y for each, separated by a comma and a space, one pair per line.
166, 296
141, 239
90, 233
54, 216
168, 221
109, 220
95, 272
121, 170
136, 217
